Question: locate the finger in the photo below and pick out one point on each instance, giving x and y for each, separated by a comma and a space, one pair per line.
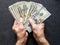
21, 35
35, 36
41, 25
21, 20
32, 22
15, 22
39, 28
26, 34
20, 24
14, 25
16, 29
19, 28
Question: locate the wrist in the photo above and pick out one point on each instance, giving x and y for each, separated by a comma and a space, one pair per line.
20, 43
43, 41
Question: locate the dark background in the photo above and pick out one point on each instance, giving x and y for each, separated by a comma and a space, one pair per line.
52, 24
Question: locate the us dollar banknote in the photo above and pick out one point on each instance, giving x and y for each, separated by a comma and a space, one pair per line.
27, 10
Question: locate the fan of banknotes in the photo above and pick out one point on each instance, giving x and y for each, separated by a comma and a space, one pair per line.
27, 10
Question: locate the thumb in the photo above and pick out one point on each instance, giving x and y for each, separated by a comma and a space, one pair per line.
33, 25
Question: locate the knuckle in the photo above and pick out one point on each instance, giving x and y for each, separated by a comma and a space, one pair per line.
13, 28
19, 35
21, 20
24, 32
34, 27
22, 28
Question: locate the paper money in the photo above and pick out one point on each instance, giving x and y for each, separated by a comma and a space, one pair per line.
14, 12
27, 10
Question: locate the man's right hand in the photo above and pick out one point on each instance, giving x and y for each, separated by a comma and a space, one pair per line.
38, 33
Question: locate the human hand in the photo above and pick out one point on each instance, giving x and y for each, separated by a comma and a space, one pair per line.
38, 33
20, 32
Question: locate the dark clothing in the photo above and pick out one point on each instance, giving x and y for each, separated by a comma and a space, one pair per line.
52, 24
